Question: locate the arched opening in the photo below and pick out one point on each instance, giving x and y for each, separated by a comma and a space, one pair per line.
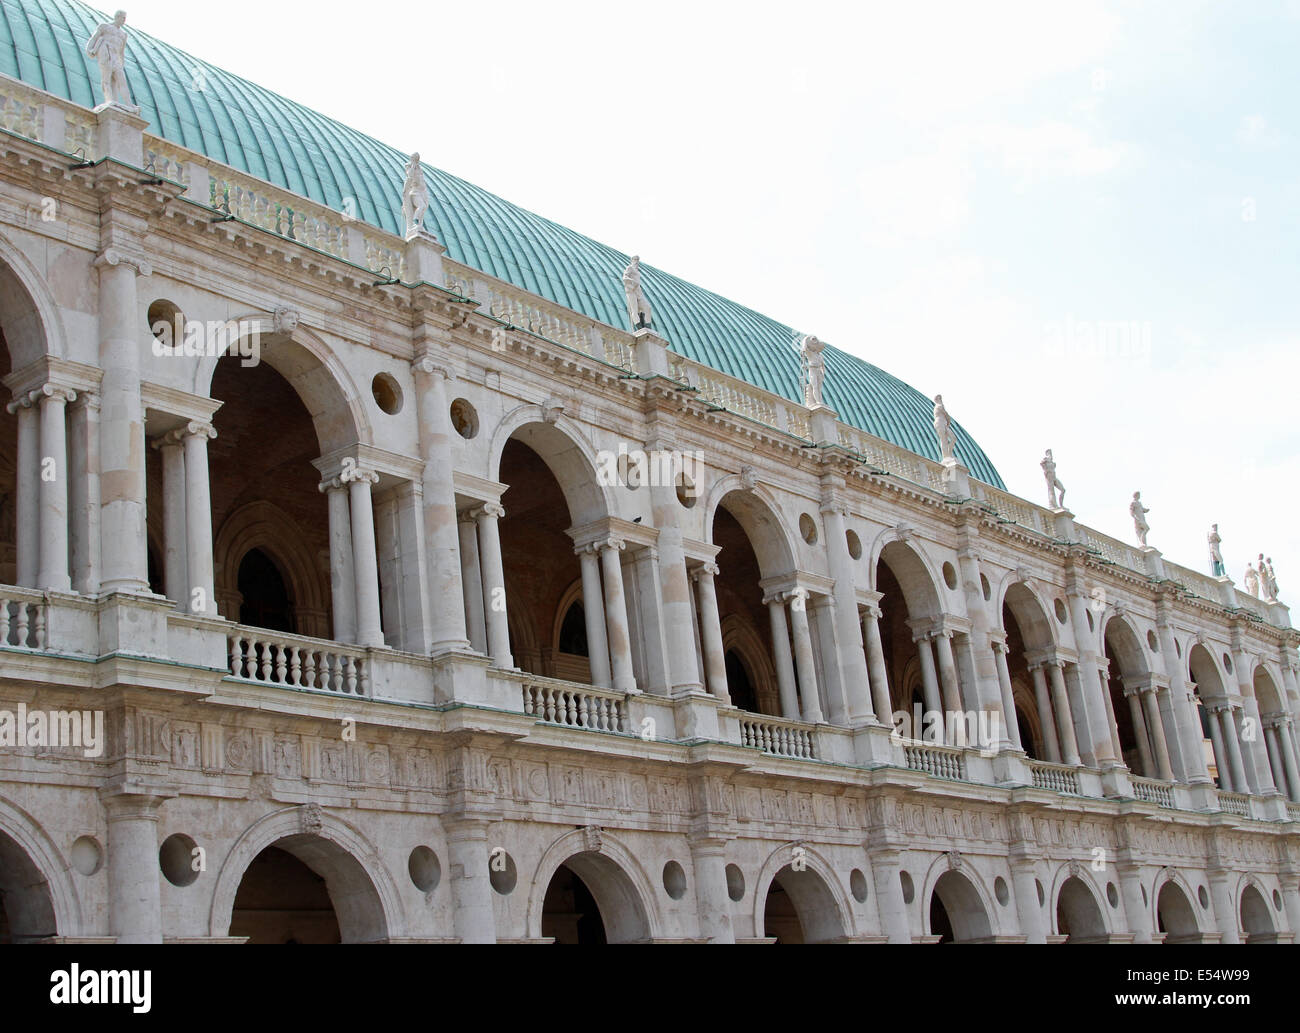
956, 911
1210, 694
264, 599
1275, 733
1256, 922
740, 685
800, 908
26, 908
1174, 915
1029, 637
908, 603
306, 889
1128, 673
570, 913
590, 899
1078, 916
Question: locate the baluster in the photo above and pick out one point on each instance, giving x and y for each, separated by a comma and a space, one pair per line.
350, 666
234, 655
281, 662
583, 713
4, 622
549, 695
295, 666
38, 632
265, 647
363, 676
21, 608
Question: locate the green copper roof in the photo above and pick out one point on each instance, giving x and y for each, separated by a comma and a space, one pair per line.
201, 107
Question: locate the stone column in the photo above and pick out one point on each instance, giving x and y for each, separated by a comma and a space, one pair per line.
83, 492
803, 656
52, 570
948, 674
1025, 887
593, 611
1282, 731
1138, 915
1007, 693
1186, 720
885, 877
1220, 751
1225, 914
852, 659
783, 659
929, 680
125, 563
343, 581
1094, 693
715, 666
27, 520
1156, 730
447, 625
201, 596
708, 857
1140, 732
1103, 667
620, 639
1065, 722
134, 909
1257, 750
675, 588
365, 559
1273, 747
472, 582
876, 669
175, 551
1240, 784
471, 888
1045, 721
494, 583
1236, 716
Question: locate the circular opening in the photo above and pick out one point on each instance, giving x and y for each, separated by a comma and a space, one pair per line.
167, 323
735, 883
674, 880
986, 588
909, 891
1277, 901
501, 871
87, 855
1060, 610
1000, 891
1112, 894
1042, 897
178, 859
387, 392
808, 529
949, 576
855, 544
858, 885
687, 494
464, 418
1203, 896
1151, 642
1227, 663
424, 868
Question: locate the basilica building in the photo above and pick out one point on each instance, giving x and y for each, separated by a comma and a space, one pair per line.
380, 561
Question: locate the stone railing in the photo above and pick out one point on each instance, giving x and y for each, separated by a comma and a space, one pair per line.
1017, 510
742, 398
1293, 809
1235, 803
1060, 778
41, 116
278, 211
885, 455
942, 761
295, 661
1150, 790
778, 737
1113, 549
23, 618
574, 706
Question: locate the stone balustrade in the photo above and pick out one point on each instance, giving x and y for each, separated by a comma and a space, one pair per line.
1060, 778
295, 661
574, 706
779, 738
23, 618
940, 761
1235, 803
1150, 790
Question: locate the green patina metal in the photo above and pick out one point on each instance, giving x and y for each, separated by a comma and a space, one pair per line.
233, 121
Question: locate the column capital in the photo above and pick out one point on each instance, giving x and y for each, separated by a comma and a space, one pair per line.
426, 365
52, 390
872, 611
351, 474
705, 570
112, 256
331, 484
22, 401
833, 504
490, 509
616, 544
200, 428
170, 439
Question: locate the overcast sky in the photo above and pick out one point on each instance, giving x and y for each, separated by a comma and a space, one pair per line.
959, 193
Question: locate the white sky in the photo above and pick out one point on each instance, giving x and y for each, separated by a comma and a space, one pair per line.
947, 190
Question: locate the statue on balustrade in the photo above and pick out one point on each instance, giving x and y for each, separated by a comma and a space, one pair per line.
638, 305
1216, 557
1139, 513
943, 430
1054, 484
108, 46
415, 197
813, 370
1252, 579
1267, 582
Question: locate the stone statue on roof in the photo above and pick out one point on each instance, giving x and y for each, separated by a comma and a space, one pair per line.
108, 46
943, 430
1054, 484
1139, 514
1217, 567
415, 196
1267, 582
813, 369
1252, 579
638, 305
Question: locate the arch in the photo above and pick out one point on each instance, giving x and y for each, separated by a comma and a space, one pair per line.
1078, 912
50, 904
912, 569
1122, 638
1256, 916
620, 886
1204, 669
33, 326
739, 635
567, 454
572, 594
964, 901
363, 892
311, 368
1033, 615
1173, 909
818, 899
264, 525
1268, 695
757, 511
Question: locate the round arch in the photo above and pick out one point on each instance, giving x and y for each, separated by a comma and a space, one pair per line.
362, 891
1172, 907
263, 525
912, 569
615, 878
1204, 669
740, 636
33, 324
1122, 638
1268, 695
964, 900
50, 899
1255, 914
320, 380
759, 515
567, 454
818, 899
1078, 912
1024, 600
